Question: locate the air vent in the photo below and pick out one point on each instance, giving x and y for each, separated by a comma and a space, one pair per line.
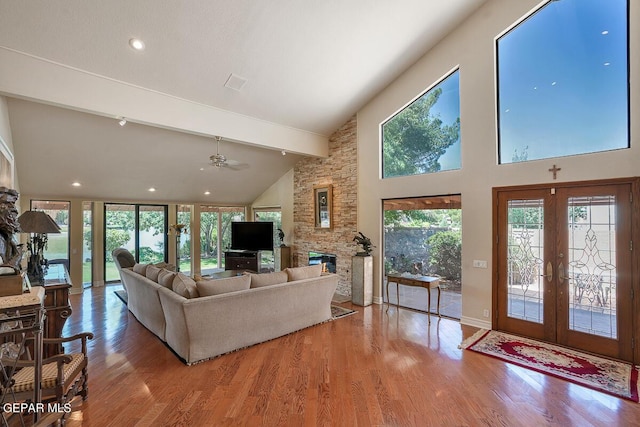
235, 82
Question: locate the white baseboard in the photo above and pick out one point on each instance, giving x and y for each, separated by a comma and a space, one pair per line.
378, 300
471, 321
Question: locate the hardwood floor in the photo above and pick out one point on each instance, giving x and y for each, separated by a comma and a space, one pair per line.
370, 368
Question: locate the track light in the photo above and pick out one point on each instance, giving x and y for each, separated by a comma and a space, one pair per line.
284, 153
122, 121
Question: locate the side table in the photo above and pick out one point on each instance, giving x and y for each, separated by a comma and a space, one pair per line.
426, 282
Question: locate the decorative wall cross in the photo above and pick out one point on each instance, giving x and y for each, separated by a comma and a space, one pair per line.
555, 171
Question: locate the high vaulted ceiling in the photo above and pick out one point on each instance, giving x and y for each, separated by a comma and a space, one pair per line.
70, 74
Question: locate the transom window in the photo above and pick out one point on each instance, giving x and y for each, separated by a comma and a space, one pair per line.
424, 136
563, 85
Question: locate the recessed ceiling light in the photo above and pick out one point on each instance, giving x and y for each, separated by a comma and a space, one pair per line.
606, 64
136, 44
76, 184
207, 193
605, 32
152, 189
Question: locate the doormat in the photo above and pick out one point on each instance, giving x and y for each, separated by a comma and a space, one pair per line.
617, 378
338, 312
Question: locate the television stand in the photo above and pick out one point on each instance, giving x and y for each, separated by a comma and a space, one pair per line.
242, 260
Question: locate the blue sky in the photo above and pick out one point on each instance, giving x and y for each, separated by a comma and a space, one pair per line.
563, 86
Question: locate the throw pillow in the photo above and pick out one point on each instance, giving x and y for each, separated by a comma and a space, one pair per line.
268, 279
140, 269
185, 286
308, 272
222, 286
152, 273
165, 278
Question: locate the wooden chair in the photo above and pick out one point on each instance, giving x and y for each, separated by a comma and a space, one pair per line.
64, 376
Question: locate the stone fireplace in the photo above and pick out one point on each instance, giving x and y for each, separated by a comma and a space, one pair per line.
340, 170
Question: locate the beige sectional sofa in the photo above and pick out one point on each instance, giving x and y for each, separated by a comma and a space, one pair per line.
204, 319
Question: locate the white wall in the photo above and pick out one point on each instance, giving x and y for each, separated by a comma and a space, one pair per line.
280, 195
471, 47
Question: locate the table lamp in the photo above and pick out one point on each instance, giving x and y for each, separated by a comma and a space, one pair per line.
38, 224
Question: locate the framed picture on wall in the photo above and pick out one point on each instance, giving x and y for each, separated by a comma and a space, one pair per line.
322, 198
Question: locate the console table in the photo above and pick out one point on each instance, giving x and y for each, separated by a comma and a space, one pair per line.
56, 302
426, 282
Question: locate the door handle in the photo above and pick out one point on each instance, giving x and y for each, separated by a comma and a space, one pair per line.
561, 275
549, 275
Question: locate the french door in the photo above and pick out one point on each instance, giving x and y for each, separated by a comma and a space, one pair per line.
563, 264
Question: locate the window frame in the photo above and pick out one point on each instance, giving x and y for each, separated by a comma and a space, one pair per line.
438, 81
515, 25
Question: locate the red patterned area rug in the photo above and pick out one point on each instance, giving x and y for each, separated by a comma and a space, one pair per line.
609, 376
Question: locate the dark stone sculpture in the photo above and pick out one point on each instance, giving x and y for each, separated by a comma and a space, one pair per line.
281, 237
365, 242
10, 252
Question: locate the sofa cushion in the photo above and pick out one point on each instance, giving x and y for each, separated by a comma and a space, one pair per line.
165, 278
140, 269
152, 273
165, 265
185, 286
307, 272
222, 286
268, 279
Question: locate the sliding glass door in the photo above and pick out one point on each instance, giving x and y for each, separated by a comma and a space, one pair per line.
142, 229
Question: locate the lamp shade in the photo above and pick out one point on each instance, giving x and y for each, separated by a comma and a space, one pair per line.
37, 222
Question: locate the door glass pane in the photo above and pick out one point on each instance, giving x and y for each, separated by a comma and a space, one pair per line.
525, 254
267, 261
184, 244
152, 234
592, 265
208, 239
227, 216
120, 228
87, 246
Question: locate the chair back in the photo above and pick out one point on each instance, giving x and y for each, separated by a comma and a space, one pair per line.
123, 258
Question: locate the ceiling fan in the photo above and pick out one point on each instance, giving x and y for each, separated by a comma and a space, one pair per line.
220, 160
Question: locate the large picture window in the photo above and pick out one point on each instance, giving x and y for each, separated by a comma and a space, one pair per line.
563, 86
424, 137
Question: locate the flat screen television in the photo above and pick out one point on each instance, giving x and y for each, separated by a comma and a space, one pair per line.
252, 236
